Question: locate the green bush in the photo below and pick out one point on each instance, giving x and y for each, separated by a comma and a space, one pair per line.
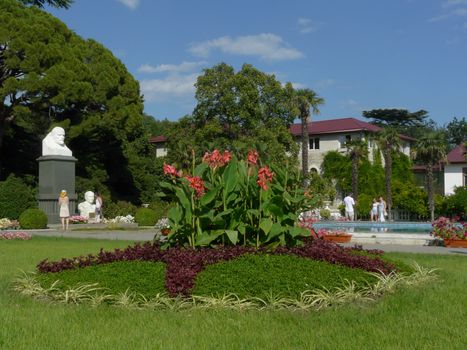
364, 205
33, 219
144, 277
259, 275
325, 214
15, 197
161, 208
120, 208
456, 204
145, 217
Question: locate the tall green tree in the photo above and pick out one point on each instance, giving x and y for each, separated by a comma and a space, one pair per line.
306, 100
50, 76
54, 3
357, 150
388, 141
396, 118
430, 149
236, 111
456, 132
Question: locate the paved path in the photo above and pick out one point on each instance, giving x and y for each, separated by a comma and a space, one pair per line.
146, 235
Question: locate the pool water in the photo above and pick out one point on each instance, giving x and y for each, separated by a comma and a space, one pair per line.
386, 227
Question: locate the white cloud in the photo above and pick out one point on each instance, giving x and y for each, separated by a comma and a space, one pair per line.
305, 25
453, 8
132, 4
266, 46
163, 89
298, 85
450, 3
322, 84
171, 68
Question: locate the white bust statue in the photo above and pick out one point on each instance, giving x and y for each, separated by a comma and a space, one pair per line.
54, 143
88, 205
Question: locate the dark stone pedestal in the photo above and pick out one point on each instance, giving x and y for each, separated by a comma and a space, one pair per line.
56, 173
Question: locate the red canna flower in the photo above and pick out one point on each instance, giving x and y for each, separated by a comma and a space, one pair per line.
170, 170
264, 177
216, 159
197, 184
252, 157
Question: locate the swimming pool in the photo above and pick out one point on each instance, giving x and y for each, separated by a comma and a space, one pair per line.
366, 226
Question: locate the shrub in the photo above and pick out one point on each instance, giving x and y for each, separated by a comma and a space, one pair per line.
33, 219
161, 208
456, 204
120, 208
145, 217
15, 197
287, 275
325, 214
364, 205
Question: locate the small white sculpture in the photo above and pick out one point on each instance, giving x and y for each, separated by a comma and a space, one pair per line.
54, 143
87, 207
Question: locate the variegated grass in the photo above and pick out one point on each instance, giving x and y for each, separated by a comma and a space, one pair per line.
316, 299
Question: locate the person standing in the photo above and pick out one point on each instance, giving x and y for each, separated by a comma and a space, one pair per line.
374, 210
99, 204
63, 203
349, 207
381, 210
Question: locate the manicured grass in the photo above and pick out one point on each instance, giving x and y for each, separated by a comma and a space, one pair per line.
284, 275
142, 277
427, 317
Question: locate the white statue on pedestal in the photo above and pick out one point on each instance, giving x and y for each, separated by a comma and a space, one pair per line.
54, 143
87, 207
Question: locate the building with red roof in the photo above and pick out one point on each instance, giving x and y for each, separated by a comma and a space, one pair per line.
324, 136
455, 169
332, 135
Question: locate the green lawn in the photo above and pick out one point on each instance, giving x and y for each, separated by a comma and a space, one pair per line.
433, 316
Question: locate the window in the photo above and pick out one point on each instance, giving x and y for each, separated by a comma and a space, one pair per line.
314, 142
347, 138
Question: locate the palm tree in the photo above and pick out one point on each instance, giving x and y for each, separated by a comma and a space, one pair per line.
430, 149
304, 100
388, 141
356, 149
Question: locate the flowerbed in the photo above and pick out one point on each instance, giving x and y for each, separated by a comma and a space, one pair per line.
23, 236
183, 265
7, 224
77, 219
449, 229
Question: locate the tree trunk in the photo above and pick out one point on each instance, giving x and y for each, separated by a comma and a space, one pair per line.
305, 141
429, 179
388, 174
2, 133
355, 180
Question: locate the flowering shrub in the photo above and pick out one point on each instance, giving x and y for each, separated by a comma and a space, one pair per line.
128, 219
23, 236
184, 264
308, 224
162, 224
7, 224
449, 229
77, 219
231, 201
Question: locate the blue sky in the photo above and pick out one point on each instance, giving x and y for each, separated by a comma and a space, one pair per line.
358, 55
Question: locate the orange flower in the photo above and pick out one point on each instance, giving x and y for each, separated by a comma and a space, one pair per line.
170, 170
264, 177
197, 184
252, 157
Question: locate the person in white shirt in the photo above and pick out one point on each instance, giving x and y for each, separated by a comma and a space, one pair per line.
349, 205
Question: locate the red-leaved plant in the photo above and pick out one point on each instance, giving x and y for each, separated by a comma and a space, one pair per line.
449, 229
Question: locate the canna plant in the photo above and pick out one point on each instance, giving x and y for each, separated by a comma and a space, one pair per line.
230, 201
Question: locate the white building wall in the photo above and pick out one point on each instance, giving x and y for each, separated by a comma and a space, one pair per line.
161, 151
453, 177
